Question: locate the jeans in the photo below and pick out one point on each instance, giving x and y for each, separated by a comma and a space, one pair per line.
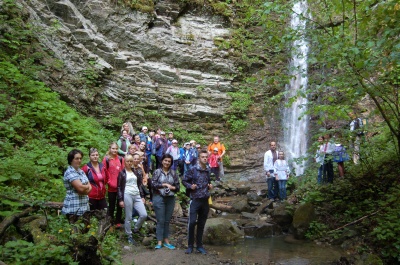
148, 161
282, 189
186, 168
164, 208
131, 202
320, 172
272, 188
198, 211
215, 170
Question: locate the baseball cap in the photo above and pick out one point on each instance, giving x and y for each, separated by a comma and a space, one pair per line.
187, 143
215, 149
174, 141
162, 133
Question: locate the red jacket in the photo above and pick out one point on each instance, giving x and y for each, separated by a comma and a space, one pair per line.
97, 180
113, 167
213, 160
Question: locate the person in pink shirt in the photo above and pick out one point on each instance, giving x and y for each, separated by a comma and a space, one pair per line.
213, 161
113, 164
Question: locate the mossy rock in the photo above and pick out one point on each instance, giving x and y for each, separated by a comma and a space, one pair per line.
302, 218
221, 231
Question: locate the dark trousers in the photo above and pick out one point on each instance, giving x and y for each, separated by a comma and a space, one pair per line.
328, 172
215, 170
198, 211
97, 204
112, 203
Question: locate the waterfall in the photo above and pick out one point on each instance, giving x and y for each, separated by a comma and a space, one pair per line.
295, 130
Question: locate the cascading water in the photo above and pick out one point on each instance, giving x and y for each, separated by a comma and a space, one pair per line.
296, 130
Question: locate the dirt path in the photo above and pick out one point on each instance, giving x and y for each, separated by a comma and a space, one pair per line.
138, 255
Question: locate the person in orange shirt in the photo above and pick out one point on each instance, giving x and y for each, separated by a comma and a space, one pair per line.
221, 152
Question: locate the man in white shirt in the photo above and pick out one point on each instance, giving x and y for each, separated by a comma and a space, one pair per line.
269, 159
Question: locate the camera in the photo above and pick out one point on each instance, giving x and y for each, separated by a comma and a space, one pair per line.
167, 190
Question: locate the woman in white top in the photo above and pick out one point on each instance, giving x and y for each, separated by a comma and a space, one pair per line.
281, 171
130, 194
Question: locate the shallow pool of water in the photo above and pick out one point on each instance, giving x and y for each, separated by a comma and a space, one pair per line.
276, 250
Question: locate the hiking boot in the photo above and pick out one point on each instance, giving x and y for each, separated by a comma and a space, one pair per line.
201, 250
189, 250
131, 241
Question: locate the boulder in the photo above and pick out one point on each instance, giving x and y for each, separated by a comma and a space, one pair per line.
261, 229
178, 212
240, 205
242, 189
250, 216
282, 216
253, 196
302, 218
221, 231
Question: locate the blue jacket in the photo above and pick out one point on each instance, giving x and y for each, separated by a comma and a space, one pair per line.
200, 177
161, 146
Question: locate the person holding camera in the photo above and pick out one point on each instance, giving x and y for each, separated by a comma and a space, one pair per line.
165, 185
269, 159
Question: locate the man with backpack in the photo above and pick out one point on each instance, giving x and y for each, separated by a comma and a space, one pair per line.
197, 181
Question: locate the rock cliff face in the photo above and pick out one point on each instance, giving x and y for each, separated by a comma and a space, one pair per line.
109, 61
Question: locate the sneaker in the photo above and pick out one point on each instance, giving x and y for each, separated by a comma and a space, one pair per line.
189, 250
158, 246
201, 250
131, 241
169, 246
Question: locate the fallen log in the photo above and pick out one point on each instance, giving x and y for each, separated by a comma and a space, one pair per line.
12, 219
221, 207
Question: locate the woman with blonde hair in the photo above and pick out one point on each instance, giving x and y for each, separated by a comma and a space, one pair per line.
130, 195
113, 164
127, 126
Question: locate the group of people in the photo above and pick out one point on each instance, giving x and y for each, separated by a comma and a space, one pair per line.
330, 151
127, 176
277, 173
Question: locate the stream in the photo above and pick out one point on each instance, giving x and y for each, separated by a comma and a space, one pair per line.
276, 250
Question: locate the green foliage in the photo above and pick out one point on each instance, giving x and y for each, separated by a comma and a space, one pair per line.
237, 112
367, 198
316, 230
23, 252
